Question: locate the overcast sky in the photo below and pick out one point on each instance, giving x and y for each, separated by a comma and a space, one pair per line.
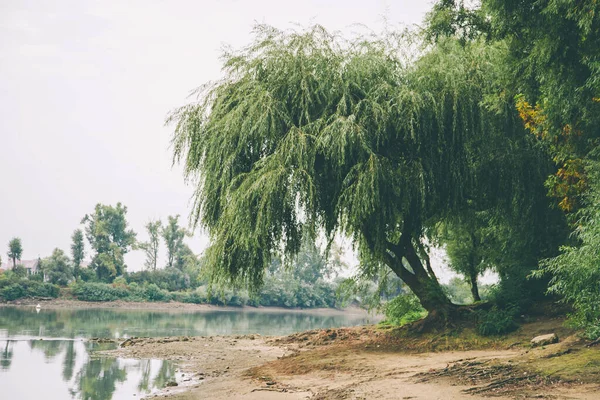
84, 90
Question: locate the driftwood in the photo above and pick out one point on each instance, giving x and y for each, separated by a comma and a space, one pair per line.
594, 343
496, 384
267, 389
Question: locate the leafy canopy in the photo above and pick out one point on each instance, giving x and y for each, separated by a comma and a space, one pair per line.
308, 132
106, 230
15, 250
77, 251
58, 268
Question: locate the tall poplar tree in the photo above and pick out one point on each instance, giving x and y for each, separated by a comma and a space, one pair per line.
151, 247
77, 251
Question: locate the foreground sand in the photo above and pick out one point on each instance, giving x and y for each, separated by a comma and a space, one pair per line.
361, 363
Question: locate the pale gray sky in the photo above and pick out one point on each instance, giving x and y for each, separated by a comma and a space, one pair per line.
84, 89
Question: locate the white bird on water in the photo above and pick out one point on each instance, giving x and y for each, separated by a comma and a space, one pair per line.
38, 307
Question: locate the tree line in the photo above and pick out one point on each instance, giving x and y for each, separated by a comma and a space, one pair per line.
309, 282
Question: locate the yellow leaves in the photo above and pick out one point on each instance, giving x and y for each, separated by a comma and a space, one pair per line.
570, 180
569, 183
533, 117
596, 99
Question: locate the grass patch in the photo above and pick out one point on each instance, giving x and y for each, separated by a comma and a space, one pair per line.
575, 364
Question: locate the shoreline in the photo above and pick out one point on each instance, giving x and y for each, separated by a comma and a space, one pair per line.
364, 362
62, 304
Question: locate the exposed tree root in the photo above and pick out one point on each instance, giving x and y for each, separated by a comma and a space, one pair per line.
487, 377
594, 343
448, 317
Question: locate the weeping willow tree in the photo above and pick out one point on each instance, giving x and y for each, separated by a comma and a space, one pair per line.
309, 133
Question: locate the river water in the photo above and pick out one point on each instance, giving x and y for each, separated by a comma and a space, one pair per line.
46, 354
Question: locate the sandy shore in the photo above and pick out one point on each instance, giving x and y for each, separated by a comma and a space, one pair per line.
362, 363
356, 363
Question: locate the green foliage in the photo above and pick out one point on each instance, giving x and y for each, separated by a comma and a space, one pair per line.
39, 289
171, 279
58, 268
575, 272
403, 309
470, 241
460, 292
497, 321
13, 292
287, 291
15, 250
106, 230
173, 236
151, 247
77, 251
309, 133
370, 288
555, 62
14, 288
452, 18
99, 292
87, 275
20, 271
154, 293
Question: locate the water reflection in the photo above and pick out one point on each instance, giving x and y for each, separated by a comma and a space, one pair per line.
45, 354
83, 376
7, 355
16, 322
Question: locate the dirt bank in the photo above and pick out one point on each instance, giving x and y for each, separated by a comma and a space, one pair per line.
372, 363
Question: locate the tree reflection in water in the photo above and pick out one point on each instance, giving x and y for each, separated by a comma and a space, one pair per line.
51, 345
69, 361
86, 376
98, 377
7, 355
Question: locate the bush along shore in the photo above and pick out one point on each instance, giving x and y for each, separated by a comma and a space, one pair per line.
289, 295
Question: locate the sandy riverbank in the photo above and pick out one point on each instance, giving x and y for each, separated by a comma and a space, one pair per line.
371, 363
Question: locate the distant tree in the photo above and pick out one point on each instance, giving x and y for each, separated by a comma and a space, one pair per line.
15, 250
468, 239
58, 268
184, 257
106, 230
77, 251
173, 236
151, 247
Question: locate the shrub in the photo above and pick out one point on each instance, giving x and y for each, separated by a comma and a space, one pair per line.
12, 292
497, 321
99, 292
403, 309
154, 293
87, 275
26, 288
39, 289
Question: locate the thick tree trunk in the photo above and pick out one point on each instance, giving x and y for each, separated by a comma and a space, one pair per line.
424, 286
474, 287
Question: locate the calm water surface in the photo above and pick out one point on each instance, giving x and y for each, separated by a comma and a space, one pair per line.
46, 355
